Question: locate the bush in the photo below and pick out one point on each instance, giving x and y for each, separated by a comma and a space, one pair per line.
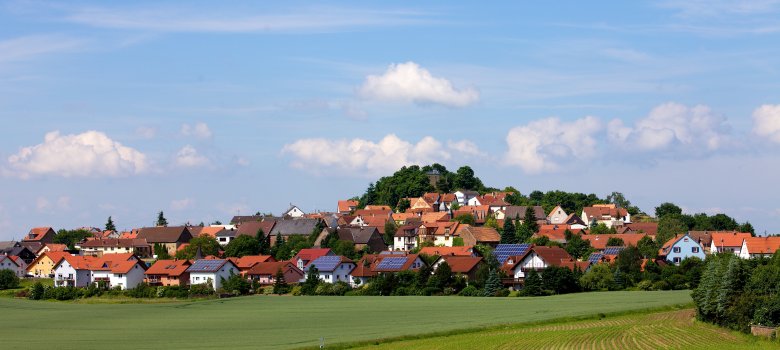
268, 290
37, 291
236, 285
661, 285
179, 292
645, 285
341, 288
503, 293
470, 291
324, 289
296, 290
8, 280
428, 291
404, 291
203, 289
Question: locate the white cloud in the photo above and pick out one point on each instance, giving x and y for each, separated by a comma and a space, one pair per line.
694, 128
408, 82
181, 204
544, 145
199, 130
182, 19
369, 158
24, 48
766, 122
465, 147
91, 153
188, 156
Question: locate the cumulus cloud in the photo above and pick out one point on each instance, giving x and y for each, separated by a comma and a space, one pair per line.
544, 145
408, 82
188, 156
465, 147
91, 153
198, 130
766, 122
672, 124
371, 158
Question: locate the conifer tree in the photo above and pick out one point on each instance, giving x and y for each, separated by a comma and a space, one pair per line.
110, 225
533, 283
493, 285
280, 284
508, 236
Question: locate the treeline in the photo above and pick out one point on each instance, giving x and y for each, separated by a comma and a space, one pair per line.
736, 293
672, 221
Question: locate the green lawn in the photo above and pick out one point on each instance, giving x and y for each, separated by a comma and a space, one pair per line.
657, 330
288, 322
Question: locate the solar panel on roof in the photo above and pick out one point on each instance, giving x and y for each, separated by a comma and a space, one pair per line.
595, 258
391, 263
206, 265
326, 263
613, 250
504, 251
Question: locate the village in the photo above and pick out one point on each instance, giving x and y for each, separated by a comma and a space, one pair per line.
475, 235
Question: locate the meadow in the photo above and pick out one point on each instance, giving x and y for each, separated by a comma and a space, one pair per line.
289, 322
658, 330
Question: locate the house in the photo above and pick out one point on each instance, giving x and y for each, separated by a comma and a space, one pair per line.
463, 196
171, 238
448, 251
331, 268
265, 273
575, 222
52, 247
211, 271
536, 258
680, 248
446, 200
13, 248
13, 263
98, 247
420, 205
704, 238
307, 255
405, 238
211, 231
43, 265
607, 214
362, 237
599, 242
378, 207
557, 216
290, 227
293, 212
347, 206
649, 228
74, 271
461, 265
238, 220
386, 262
517, 212
41, 235
125, 271
479, 235
479, 212
435, 216
245, 263
251, 228
755, 247
439, 233
556, 233
168, 273
728, 242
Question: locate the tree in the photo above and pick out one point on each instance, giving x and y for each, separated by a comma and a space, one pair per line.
599, 277
281, 249
403, 205
540, 241
161, 252
442, 277
620, 201
747, 227
666, 209
647, 247
280, 284
602, 229
236, 284
615, 242
36, 293
309, 286
110, 225
723, 222
529, 221
523, 234
161, 220
508, 235
465, 219
390, 230
629, 262
668, 227
730, 284
465, 179
617, 280
264, 242
8, 279
71, 237
559, 280
576, 246
208, 246
533, 283
241, 246
493, 285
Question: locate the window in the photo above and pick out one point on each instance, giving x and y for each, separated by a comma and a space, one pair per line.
327, 277
695, 249
676, 249
676, 260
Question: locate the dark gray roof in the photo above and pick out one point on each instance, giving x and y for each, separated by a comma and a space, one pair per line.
250, 228
165, 234
8, 245
513, 211
359, 235
289, 227
238, 219
208, 265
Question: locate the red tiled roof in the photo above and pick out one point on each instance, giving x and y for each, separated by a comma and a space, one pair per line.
482, 234
762, 245
311, 254
600, 211
37, 233
56, 247
344, 206
271, 267
447, 251
246, 262
599, 242
461, 264
173, 268
729, 239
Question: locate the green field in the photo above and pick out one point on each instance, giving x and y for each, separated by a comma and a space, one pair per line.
287, 322
659, 330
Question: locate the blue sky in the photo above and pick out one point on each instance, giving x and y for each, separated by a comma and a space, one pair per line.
205, 111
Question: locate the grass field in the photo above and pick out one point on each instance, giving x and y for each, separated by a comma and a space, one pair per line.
660, 330
288, 322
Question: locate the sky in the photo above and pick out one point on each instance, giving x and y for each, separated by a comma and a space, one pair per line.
205, 111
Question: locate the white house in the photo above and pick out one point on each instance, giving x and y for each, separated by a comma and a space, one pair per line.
728, 242
123, 274
464, 196
755, 247
557, 216
294, 212
211, 271
607, 214
332, 269
537, 258
14, 264
73, 271
681, 247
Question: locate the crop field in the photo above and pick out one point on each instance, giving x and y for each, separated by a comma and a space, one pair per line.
660, 330
256, 322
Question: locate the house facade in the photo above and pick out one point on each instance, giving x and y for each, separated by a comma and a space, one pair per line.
681, 247
211, 271
756, 247
43, 265
73, 271
169, 237
168, 273
728, 242
265, 273
332, 269
607, 214
557, 216
405, 238
9, 263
